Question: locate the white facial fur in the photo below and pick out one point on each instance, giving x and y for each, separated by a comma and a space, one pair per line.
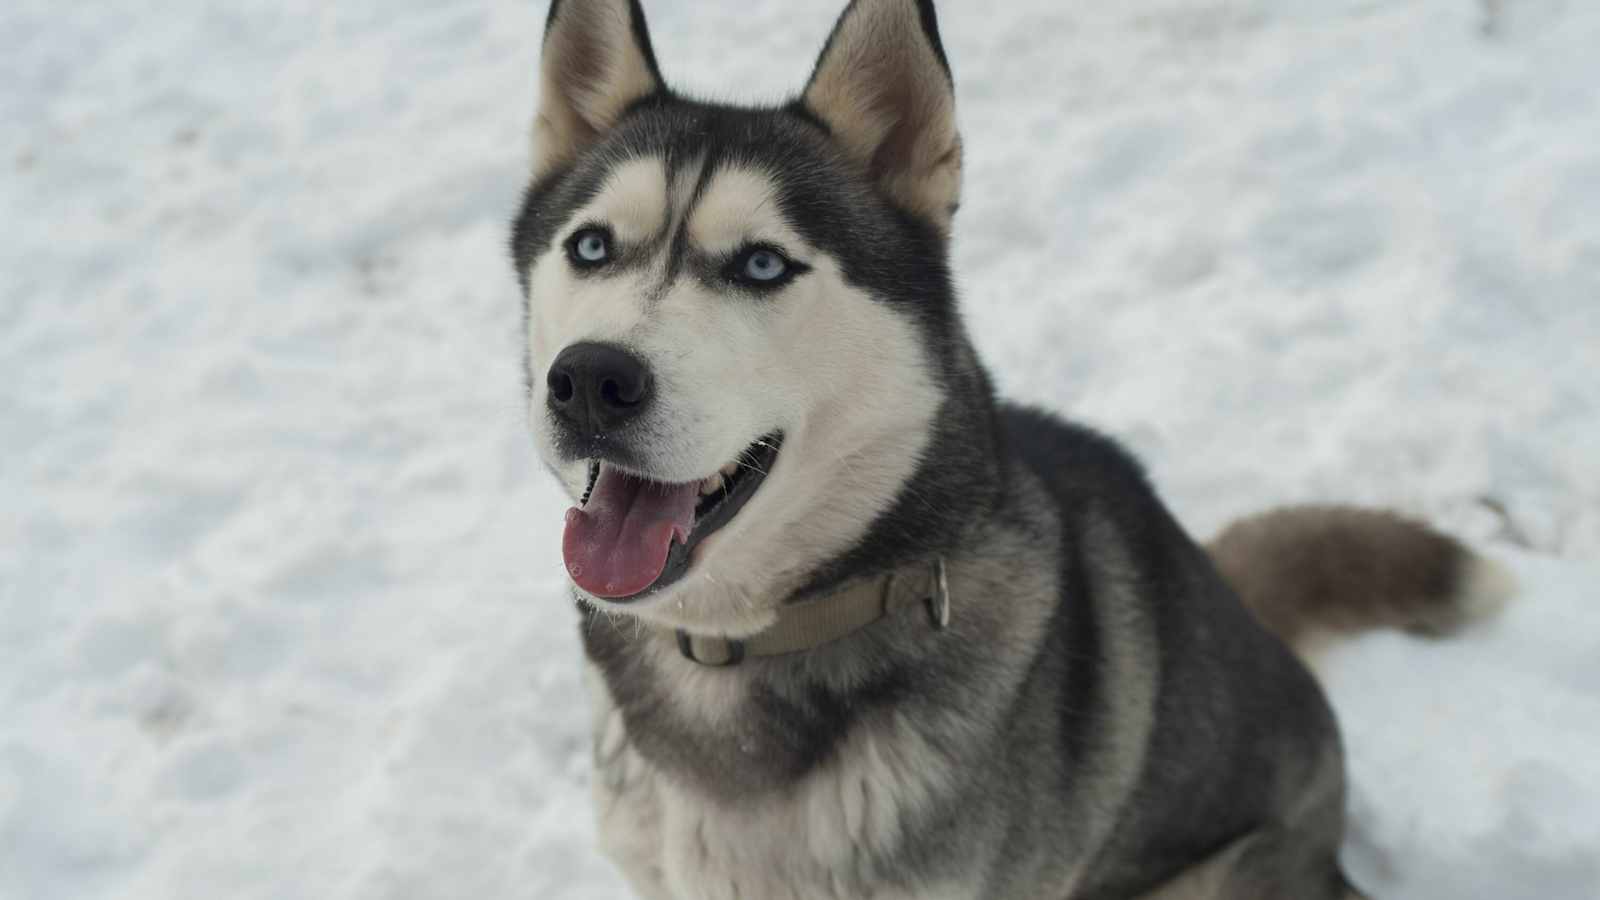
844, 377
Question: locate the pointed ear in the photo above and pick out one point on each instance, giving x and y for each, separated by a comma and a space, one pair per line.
597, 62
883, 86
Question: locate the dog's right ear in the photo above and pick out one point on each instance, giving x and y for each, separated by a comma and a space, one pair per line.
597, 62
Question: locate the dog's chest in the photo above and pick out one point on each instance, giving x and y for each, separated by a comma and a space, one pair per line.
837, 836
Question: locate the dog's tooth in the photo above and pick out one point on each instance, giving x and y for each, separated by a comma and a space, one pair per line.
730, 469
711, 485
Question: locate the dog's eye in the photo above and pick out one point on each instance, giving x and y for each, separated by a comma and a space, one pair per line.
763, 267
590, 247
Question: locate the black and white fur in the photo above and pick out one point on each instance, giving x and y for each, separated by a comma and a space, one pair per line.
1103, 718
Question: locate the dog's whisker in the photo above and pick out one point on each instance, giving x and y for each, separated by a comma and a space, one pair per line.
747, 460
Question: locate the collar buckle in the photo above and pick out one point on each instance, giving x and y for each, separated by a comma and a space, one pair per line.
733, 656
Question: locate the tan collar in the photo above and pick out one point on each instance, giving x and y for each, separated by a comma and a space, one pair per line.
822, 620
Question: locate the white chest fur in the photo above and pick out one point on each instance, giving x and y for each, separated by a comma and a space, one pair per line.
832, 838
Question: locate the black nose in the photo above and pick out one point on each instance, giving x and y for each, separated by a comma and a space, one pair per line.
598, 387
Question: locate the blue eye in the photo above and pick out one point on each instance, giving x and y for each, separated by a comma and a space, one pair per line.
590, 247
764, 265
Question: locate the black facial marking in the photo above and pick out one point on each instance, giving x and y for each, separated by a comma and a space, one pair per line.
678, 253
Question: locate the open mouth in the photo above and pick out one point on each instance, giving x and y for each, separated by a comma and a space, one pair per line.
630, 536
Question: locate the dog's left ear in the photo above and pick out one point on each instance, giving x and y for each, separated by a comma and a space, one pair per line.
883, 86
596, 63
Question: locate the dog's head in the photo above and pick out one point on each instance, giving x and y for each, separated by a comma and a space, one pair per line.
739, 320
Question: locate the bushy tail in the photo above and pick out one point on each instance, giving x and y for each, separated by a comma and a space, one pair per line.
1315, 572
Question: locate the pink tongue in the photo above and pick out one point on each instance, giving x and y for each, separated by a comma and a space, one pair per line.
617, 545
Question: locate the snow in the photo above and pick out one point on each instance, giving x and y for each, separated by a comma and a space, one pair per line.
281, 611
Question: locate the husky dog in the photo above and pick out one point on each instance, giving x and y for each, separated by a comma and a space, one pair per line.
855, 628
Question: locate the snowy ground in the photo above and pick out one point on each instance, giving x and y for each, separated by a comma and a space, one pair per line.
281, 614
